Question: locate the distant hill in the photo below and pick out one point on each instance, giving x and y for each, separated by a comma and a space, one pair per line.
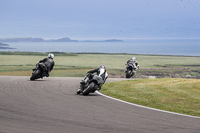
114, 40
22, 40
65, 39
29, 39
108, 40
5, 46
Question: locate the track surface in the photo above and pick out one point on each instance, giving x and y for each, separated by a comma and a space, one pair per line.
50, 105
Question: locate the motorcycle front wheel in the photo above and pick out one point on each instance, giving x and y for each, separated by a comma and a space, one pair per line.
35, 74
89, 89
129, 74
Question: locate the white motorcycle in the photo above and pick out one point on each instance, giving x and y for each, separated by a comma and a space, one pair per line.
130, 70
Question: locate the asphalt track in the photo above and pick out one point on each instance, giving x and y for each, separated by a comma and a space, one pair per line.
51, 105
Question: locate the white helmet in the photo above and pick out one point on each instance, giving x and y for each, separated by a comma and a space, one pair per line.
51, 56
102, 67
133, 58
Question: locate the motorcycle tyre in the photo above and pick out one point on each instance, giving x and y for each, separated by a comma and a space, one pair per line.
35, 75
129, 74
78, 91
89, 89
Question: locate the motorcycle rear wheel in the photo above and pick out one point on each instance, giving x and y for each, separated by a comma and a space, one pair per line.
89, 89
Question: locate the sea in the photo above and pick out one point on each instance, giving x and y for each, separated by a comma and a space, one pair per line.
182, 47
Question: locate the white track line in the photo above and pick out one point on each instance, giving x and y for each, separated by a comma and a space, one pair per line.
145, 106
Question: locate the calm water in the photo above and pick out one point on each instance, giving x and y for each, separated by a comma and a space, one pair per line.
158, 47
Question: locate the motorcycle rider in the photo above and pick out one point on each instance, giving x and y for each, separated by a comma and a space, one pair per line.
133, 62
48, 64
101, 71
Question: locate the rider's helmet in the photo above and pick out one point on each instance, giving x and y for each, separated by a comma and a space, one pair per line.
51, 56
133, 58
102, 67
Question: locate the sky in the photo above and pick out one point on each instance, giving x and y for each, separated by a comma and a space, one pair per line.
99, 19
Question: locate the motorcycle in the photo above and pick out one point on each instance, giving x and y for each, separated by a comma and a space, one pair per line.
90, 85
130, 70
39, 71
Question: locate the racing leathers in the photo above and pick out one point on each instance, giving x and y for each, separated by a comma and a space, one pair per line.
48, 63
134, 63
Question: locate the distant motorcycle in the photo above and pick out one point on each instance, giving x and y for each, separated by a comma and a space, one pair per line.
90, 86
130, 70
38, 71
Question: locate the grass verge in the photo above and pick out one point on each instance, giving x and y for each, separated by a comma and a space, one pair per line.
175, 95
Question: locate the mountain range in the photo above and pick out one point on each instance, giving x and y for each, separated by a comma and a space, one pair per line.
5, 46
65, 39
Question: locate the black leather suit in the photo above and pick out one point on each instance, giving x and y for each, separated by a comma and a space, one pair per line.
49, 63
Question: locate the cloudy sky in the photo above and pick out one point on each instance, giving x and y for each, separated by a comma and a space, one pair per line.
86, 19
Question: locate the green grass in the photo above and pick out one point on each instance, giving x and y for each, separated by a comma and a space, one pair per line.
112, 61
23, 62
175, 95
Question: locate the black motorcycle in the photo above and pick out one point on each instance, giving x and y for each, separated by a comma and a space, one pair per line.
90, 85
130, 70
39, 71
